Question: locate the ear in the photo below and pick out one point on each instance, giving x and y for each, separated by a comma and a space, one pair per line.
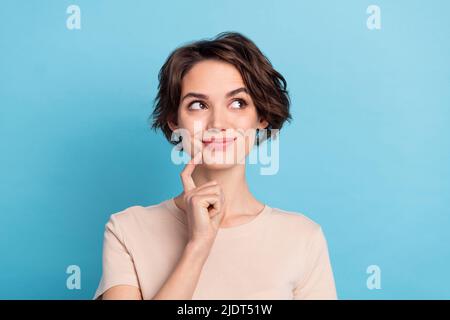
172, 125
263, 124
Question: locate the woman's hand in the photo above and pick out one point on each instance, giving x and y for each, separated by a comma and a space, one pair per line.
204, 205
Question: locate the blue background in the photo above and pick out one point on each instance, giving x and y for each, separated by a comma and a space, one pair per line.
366, 156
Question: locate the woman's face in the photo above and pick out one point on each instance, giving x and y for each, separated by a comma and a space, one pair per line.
215, 106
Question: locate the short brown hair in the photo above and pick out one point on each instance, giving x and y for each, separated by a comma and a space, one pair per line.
267, 87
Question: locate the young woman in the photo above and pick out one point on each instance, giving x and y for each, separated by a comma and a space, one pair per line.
215, 240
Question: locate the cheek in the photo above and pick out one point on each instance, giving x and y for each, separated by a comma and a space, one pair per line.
249, 118
192, 124
245, 121
192, 133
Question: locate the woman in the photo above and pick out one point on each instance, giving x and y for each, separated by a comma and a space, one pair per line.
215, 240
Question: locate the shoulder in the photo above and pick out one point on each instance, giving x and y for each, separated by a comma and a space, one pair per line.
137, 216
294, 222
305, 233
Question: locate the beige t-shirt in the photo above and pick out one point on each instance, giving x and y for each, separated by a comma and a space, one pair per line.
276, 255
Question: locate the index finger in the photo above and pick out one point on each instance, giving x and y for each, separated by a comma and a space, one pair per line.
186, 174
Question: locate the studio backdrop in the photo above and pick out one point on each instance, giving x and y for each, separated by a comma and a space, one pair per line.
366, 155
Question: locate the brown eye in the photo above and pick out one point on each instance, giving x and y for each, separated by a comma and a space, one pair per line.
196, 105
239, 103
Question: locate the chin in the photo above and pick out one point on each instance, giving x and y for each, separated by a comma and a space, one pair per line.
218, 167
217, 160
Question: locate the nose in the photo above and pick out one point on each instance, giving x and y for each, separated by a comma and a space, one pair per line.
218, 120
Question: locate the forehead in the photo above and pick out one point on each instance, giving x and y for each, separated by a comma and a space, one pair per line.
211, 77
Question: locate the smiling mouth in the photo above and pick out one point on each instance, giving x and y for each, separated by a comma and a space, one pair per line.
218, 143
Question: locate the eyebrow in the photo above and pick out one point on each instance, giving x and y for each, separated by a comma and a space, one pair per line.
204, 96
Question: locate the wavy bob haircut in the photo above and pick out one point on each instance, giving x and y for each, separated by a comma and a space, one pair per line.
266, 86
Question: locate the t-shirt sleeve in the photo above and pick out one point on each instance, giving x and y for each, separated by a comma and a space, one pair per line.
117, 263
317, 282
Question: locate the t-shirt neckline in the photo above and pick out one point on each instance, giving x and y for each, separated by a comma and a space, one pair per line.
239, 229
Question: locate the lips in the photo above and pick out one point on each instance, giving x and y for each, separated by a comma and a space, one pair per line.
217, 143
218, 140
